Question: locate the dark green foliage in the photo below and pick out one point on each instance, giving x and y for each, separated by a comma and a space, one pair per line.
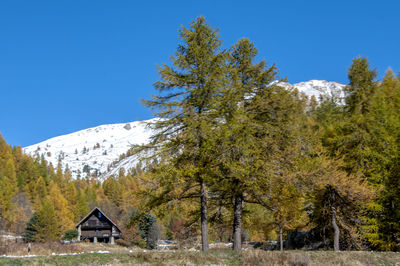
390, 217
71, 234
362, 86
359, 133
86, 169
390, 228
147, 227
30, 230
389, 200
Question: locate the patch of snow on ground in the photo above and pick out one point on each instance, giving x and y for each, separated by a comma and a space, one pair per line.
10, 237
54, 254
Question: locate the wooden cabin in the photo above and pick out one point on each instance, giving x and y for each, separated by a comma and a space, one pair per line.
97, 227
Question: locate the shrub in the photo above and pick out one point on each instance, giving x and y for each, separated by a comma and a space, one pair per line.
71, 234
142, 243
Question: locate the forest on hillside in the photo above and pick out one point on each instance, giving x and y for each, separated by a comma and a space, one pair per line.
235, 157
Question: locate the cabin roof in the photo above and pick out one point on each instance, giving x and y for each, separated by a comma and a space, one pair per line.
91, 212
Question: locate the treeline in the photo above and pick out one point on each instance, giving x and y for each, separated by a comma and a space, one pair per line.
252, 154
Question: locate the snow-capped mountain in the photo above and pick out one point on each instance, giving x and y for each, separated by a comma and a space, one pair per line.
99, 149
321, 89
94, 149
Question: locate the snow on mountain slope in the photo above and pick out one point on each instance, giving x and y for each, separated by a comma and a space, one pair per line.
321, 89
96, 149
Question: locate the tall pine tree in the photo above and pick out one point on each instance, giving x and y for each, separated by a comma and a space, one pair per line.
237, 141
185, 108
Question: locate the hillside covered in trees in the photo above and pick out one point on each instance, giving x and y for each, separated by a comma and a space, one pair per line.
235, 156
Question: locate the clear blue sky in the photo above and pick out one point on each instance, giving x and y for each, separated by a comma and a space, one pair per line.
69, 65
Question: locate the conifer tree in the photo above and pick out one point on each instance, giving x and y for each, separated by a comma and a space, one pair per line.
386, 237
25, 169
147, 227
112, 189
43, 168
30, 230
47, 226
81, 207
389, 226
355, 142
287, 203
61, 206
237, 143
185, 106
58, 178
40, 191
71, 194
8, 184
362, 86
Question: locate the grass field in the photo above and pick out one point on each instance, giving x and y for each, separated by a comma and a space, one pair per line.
89, 254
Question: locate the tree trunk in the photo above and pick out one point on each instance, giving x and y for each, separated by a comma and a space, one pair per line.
237, 223
281, 237
336, 231
203, 210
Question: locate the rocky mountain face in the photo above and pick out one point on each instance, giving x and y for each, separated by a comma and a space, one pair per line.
101, 151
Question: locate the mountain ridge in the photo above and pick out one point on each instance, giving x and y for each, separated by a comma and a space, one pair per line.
99, 151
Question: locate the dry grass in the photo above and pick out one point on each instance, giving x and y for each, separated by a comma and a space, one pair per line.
121, 255
48, 248
259, 257
21, 249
